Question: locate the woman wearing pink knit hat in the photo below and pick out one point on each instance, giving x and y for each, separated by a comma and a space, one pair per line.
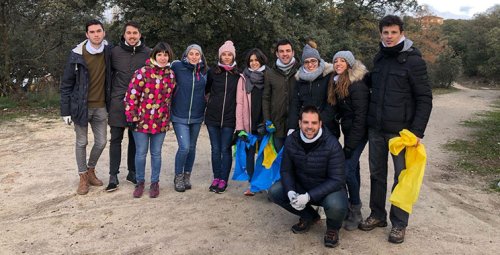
220, 115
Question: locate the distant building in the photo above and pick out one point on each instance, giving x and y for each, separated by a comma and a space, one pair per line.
428, 21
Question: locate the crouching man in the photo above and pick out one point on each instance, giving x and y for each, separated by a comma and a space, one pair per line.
312, 173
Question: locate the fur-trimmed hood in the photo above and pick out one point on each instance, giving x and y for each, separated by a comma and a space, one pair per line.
357, 72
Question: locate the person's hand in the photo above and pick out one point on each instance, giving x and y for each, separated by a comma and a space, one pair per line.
132, 125
292, 195
297, 206
234, 139
418, 141
290, 131
67, 120
347, 153
302, 200
261, 129
243, 137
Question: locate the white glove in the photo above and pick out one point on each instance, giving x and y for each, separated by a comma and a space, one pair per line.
290, 131
292, 195
67, 120
302, 200
297, 206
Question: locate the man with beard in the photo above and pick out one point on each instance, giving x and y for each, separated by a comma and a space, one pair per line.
130, 55
312, 173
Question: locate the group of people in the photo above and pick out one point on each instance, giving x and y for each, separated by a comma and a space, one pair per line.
310, 102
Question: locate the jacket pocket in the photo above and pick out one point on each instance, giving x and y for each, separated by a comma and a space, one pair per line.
398, 80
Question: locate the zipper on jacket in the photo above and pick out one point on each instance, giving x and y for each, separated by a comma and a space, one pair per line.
224, 102
191, 102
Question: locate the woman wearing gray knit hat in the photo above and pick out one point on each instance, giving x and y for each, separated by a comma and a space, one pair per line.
188, 109
349, 93
311, 88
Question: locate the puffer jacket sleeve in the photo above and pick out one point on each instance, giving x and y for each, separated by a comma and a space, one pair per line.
67, 86
360, 96
132, 97
287, 170
335, 180
422, 94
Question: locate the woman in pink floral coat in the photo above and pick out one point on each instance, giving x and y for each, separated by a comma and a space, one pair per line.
147, 107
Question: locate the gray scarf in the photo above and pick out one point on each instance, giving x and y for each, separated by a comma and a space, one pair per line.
285, 68
254, 78
311, 76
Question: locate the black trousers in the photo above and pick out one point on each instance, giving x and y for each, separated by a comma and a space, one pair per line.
115, 151
378, 150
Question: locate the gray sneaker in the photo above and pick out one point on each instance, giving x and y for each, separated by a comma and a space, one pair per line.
179, 184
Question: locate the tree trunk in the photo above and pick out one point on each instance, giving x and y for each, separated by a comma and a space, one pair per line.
5, 49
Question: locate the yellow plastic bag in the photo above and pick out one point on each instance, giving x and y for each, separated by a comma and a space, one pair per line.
406, 192
269, 154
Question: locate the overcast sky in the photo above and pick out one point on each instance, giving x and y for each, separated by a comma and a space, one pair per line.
455, 9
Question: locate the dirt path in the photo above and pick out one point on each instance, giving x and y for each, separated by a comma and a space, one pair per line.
40, 213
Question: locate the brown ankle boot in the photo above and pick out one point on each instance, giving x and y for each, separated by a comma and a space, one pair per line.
83, 186
93, 178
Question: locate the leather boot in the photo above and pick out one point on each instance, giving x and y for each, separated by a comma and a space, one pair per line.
93, 180
355, 217
83, 186
187, 180
179, 185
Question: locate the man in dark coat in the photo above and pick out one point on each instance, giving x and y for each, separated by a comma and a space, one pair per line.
312, 173
401, 98
85, 96
279, 82
130, 55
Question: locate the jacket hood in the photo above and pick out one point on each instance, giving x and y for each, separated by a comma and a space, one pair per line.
357, 72
79, 48
151, 62
407, 45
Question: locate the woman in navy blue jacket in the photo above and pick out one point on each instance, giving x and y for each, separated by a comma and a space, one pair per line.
188, 109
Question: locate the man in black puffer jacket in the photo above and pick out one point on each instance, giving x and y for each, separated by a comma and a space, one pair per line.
401, 98
126, 58
312, 173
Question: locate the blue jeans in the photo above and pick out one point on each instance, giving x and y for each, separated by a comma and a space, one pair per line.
187, 135
220, 141
378, 150
142, 142
335, 205
352, 173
